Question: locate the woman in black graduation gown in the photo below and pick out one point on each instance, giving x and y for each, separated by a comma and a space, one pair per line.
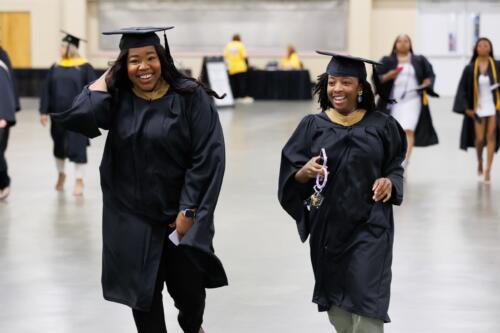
351, 231
161, 174
64, 82
408, 79
9, 105
479, 104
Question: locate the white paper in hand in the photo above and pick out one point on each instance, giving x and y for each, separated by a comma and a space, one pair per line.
174, 238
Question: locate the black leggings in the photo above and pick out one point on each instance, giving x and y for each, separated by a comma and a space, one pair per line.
4, 176
185, 286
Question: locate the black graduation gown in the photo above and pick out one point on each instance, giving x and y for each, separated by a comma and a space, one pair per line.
160, 157
5, 58
351, 236
62, 85
8, 100
425, 134
464, 99
8, 108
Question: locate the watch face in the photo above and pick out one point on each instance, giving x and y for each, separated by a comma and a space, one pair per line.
189, 213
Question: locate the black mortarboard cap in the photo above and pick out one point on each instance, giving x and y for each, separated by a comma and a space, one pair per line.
346, 65
138, 36
72, 39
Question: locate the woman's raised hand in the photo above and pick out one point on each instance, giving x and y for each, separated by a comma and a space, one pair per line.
100, 83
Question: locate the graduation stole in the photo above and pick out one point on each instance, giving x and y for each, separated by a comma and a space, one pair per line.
349, 120
72, 62
476, 82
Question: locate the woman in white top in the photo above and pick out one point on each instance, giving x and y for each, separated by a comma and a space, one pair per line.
407, 79
478, 99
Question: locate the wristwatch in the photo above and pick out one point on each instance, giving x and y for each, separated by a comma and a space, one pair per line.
189, 213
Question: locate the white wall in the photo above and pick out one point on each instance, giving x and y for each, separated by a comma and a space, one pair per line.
436, 19
47, 18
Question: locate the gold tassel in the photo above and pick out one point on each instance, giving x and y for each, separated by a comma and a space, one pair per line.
425, 100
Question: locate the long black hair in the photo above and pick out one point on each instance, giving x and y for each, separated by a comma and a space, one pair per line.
396, 41
117, 79
367, 102
474, 52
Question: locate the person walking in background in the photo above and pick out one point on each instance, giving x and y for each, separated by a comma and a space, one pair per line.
9, 105
291, 61
340, 176
478, 99
161, 174
408, 79
65, 80
235, 55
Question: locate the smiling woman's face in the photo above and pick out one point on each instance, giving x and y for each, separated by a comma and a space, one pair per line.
143, 68
342, 92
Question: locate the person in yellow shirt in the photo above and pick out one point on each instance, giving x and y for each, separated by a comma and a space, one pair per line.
236, 59
291, 61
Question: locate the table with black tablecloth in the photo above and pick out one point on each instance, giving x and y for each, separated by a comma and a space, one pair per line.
279, 85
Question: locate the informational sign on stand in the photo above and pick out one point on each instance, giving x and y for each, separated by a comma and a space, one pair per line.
218, 80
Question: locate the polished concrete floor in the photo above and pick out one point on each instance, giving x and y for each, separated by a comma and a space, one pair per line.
446, 255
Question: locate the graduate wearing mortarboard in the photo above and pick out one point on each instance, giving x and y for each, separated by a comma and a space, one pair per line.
408, 79
9, 105
161, 174
478, 100
65, 80
340, 176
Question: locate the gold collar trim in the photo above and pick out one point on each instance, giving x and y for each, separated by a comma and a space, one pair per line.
72, 62
153, 95
349, 120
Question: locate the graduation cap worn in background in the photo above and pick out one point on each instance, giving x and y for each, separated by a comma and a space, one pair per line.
139, 36
346, 65
72, 39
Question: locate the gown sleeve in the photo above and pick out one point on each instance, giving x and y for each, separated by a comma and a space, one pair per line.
91, 110
5, 58
395, 151
291, 194
203, 179
429, 74
461, 103
46, 93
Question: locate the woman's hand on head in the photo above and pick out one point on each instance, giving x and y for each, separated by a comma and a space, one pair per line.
382, 190
100, 83
310, 170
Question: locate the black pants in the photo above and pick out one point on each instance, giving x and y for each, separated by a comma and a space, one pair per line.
4, 176
238, 84
185, 286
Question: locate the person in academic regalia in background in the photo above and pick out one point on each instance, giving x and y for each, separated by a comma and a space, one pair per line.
161, 174
9, 105
340, 176
65, 80
478, 99
408, 79
291, 61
